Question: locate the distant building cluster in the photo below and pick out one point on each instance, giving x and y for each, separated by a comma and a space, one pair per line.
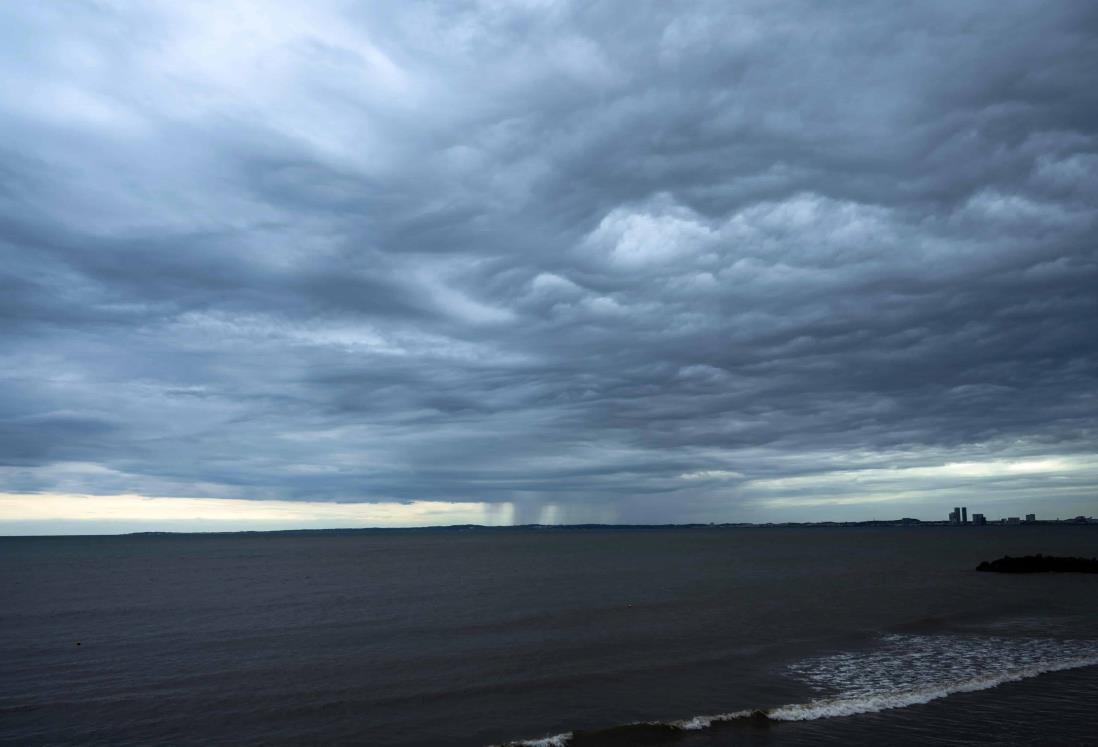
959, 516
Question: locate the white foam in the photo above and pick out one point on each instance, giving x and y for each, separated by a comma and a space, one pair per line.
831, 708
556, 740
902, 671
696, 723
905, 670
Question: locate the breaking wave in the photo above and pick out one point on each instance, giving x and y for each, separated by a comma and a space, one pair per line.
903, 671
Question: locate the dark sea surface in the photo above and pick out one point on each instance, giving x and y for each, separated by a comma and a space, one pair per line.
843, 635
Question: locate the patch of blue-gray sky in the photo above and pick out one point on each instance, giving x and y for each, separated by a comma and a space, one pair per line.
632, 261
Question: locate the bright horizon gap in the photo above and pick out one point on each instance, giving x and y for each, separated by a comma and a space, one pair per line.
169, 513
24, 514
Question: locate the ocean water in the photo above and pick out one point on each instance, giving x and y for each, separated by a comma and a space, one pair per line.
707, 636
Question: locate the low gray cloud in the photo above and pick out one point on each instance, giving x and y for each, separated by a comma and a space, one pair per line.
635, 262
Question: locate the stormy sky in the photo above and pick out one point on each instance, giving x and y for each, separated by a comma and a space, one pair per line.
490, 261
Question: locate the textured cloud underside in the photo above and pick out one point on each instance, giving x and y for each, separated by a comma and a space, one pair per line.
646, 262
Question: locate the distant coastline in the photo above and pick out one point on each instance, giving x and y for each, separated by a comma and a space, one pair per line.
905, 522
488, 528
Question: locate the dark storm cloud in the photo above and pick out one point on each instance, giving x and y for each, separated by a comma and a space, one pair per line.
636, 261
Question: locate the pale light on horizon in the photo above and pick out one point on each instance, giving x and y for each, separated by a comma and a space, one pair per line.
141, 513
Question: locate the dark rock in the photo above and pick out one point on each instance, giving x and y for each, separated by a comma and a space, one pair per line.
1040, 564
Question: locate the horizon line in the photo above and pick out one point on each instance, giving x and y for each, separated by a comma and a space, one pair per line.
900, 523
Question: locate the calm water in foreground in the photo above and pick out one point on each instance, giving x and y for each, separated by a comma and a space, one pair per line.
846, 636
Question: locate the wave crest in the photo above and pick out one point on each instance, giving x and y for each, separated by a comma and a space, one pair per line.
886, 679
832, 708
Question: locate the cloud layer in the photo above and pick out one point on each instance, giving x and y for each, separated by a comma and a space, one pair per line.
601, 261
